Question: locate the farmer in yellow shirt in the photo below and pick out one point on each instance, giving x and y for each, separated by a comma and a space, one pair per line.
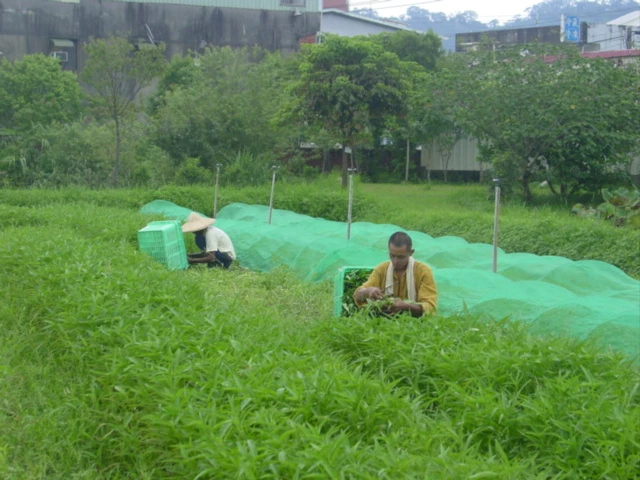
407, 280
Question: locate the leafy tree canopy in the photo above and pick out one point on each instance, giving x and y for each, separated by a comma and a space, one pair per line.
546, 110
117, 71
352, 88
222, 105
36, 91
422, 48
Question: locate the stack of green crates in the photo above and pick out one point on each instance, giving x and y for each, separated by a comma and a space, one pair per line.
338, 287
164, 242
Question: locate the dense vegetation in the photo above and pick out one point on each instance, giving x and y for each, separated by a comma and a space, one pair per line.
380, 96
113, 367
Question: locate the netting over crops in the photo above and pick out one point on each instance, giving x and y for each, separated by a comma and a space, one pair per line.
554, 294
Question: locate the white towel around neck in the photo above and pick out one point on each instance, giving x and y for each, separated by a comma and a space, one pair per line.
411, 284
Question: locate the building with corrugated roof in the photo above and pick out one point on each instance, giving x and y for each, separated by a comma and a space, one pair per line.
60, 27
345, 24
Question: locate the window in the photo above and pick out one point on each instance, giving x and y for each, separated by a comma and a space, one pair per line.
64, 50
293, 3
62, 56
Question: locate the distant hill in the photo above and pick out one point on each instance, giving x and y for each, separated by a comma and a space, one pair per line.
545, 13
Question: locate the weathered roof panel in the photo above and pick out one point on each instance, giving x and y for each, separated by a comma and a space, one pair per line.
277, 5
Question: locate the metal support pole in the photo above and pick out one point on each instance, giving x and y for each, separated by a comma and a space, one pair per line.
496, 217
273, 187
351, 172
406, 167
215, 197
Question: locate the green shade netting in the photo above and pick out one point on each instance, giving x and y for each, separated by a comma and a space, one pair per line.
168, 209
553, 294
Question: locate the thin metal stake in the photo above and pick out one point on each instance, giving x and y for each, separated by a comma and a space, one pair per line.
496, 218
273, 186
215, 197
351, 172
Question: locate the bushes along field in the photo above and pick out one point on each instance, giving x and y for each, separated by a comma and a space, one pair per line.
462, 211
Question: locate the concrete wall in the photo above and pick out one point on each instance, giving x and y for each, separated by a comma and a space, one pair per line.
634, 170
350, 26
549, 34
28, 26
463, 158
603, 38
465, 154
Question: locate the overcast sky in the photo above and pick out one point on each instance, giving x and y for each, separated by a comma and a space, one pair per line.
487, 10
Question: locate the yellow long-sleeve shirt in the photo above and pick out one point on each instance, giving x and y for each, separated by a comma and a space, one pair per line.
427, 294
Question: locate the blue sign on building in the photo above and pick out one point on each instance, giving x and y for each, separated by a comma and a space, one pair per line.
571, 29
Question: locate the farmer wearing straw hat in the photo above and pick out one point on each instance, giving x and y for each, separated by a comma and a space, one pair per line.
216, 245
406, 281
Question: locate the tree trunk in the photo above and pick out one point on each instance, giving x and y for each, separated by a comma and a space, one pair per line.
526, 190
429, 151
345, 166
406, 167
563, 191
445, 162
116, 165
325, 156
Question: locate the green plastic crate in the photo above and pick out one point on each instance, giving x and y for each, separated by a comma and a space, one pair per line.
164, 242
338, 287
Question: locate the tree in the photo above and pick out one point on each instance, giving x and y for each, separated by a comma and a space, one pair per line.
423, 48
225, 106
440, 123
351, 87
36, 91
182, 72
366, 12
537, 110
117, 71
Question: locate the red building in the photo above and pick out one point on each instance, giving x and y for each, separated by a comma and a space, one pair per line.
337, 4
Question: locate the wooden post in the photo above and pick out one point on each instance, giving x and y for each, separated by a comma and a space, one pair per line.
496, 217
406, 167
215, 196
350, 208
273, 187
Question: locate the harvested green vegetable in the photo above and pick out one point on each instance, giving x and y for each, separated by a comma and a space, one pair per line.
352, 280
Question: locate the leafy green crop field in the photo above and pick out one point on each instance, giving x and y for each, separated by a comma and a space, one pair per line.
113, 367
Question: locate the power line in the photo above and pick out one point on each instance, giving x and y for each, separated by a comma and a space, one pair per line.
397, 6
369, 2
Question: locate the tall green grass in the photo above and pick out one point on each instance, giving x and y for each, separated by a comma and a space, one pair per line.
113, 367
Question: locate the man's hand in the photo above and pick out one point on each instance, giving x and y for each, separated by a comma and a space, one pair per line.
401, 306
396, 307
374, 293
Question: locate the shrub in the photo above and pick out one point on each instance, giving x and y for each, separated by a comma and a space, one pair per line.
622, 206
245, 169
191, 173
